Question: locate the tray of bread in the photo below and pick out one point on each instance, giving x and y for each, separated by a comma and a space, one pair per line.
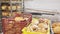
38, 26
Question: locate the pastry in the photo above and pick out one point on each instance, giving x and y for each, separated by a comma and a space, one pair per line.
58, 24
5, 13
19, 19
9, 7
56, 27
56, 30
10, 32
42, 30
18, 7
42, 25
8, 26
13, 7
4, 7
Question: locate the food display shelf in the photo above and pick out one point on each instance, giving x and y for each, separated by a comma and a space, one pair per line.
10, 6
11, 1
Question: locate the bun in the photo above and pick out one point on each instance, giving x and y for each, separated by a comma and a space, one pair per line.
13, 7
4, 7
9, 7
56, 27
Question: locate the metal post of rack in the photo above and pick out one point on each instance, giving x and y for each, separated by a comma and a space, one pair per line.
0, 18
11, 2
20, 3
11, 7
23, 6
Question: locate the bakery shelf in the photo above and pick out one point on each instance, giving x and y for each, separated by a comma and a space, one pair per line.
4, 10
11, 1
5, 1
13, 10
10, 10
16, 2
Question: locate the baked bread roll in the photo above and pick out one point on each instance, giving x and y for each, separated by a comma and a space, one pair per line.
18, 7
19, 19
9, 7
56, 30
13, 7
10, 32
4, 7
5, 13
42, 25
56, 27
41, 30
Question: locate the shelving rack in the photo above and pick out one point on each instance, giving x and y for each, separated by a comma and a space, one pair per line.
19, 2
11, 3
0, 17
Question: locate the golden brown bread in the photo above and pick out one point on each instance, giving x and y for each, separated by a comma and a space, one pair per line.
56, 27
13, 7
56, 30
5, 13
4, 7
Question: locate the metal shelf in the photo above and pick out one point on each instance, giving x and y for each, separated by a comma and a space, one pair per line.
5, 1
12, 10
16, 2
41, 11
11, 1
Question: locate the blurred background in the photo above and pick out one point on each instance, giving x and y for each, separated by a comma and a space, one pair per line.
49, 9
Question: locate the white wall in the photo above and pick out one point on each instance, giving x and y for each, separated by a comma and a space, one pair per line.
43, 4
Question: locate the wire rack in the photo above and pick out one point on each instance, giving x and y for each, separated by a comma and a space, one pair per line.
10, 3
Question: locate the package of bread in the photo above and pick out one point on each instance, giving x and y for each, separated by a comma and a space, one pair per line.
56, 27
